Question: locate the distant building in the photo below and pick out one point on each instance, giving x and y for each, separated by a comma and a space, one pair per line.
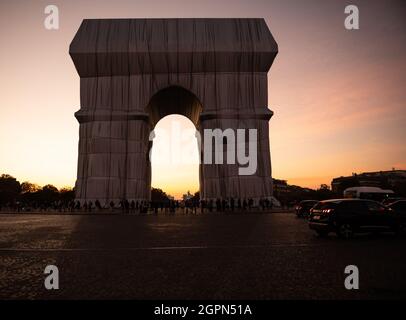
280, 187
392, 179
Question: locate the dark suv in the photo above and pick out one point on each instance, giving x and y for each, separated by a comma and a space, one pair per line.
303, 208
389, 201
348, 216
399, 211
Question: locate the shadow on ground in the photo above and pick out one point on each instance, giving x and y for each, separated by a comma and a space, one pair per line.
255, 256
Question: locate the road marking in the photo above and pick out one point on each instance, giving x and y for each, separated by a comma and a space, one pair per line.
156, 248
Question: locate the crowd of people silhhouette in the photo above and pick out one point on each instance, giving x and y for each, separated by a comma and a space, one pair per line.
29, 197
168, 206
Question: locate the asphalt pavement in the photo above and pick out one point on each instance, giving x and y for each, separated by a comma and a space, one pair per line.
233, 256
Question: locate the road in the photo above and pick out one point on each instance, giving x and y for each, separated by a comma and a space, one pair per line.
235, 256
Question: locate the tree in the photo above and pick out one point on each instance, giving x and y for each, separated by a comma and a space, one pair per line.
157, 195
323, 193
67, 194
48, 194
29, 193
28, 187
10, 188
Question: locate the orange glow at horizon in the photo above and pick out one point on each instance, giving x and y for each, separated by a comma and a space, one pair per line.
175, 175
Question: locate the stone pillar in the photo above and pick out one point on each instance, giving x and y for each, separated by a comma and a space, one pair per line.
101, 168
138, 175
113, 157
224, 180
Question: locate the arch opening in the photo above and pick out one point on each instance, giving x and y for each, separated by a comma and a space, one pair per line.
174, 119
174, 100
175, 156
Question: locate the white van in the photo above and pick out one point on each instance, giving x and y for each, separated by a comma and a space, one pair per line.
371, 193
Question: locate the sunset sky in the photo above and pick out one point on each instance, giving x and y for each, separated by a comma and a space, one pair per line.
338, 96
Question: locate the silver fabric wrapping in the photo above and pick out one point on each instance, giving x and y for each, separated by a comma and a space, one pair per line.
136, 71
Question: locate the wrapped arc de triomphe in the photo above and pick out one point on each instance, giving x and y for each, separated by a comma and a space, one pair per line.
133, 72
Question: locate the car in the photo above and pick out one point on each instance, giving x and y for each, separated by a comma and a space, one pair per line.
389, 201
346, 217
303, 208
399, 211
